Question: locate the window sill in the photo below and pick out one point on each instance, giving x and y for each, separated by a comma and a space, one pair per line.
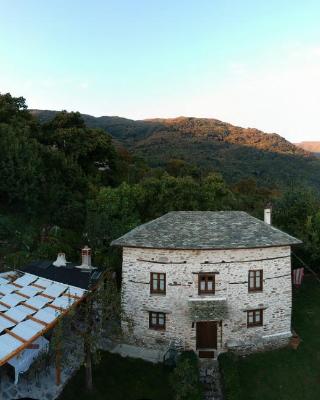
207, 298
157, 294
206, 294
157, 329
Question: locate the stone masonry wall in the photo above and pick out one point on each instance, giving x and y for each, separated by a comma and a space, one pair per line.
231, 268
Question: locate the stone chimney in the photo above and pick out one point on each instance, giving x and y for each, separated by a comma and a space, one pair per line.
60, 261
268, 214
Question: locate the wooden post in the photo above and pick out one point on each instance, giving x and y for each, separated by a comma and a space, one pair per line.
58, 364
88, 364
87, 344
0, 383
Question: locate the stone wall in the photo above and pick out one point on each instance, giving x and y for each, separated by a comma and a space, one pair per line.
231, 268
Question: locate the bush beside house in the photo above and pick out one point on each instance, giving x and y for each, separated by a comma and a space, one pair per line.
185, 379
230, 376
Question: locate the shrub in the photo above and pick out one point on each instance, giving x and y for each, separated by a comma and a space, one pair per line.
230, 376
185, 380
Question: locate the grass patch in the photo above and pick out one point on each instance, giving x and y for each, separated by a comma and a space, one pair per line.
120, 378
284, 374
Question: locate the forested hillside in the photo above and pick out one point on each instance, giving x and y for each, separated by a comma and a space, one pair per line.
133, 133
209, 144
65, 183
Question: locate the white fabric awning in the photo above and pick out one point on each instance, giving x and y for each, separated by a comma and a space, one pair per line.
63, 302
19, 313
47, 314
27, 329
38, 301
21, 363
11, 300
5, 323
30, 306
26, 279
7, 288
8, 344
3, 281
55, 290
30, 291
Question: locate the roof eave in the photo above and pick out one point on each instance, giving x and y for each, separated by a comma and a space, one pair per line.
136, 246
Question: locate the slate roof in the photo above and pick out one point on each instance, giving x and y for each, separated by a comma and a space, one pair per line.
205, 230
68, 275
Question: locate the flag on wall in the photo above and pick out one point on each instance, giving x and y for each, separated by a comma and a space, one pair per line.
297, 276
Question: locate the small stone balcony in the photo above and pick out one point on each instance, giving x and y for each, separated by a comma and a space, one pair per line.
208, 308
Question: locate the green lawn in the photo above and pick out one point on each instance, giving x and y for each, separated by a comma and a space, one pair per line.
117, 378
284, 374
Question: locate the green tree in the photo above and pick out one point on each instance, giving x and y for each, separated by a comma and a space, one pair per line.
292, 210
65, 120
13, 108
311, 237
169, 194
20, 167
297, 212
91, 149
215, 194
110, 214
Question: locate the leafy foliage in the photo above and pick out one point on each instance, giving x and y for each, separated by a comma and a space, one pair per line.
91, 149
185, 380
119, 378
230, 376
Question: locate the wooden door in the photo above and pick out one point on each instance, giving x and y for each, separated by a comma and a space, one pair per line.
207, 335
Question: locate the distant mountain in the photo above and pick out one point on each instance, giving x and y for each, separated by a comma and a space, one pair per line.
314, 147
136, 133
236, 152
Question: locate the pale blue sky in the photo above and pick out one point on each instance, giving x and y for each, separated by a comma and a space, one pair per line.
253, 63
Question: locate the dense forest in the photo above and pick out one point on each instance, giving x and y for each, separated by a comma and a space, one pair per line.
65, 183
208, 144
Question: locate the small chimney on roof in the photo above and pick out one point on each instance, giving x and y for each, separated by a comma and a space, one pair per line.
60, 261
86, 259
268, 214
86, 256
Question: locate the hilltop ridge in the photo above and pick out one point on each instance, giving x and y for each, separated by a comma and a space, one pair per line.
312, 146
209, 144
138, 131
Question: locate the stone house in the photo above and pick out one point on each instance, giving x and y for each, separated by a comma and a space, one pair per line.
207, 281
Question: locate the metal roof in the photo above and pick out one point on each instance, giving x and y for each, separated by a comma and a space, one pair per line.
205, 230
